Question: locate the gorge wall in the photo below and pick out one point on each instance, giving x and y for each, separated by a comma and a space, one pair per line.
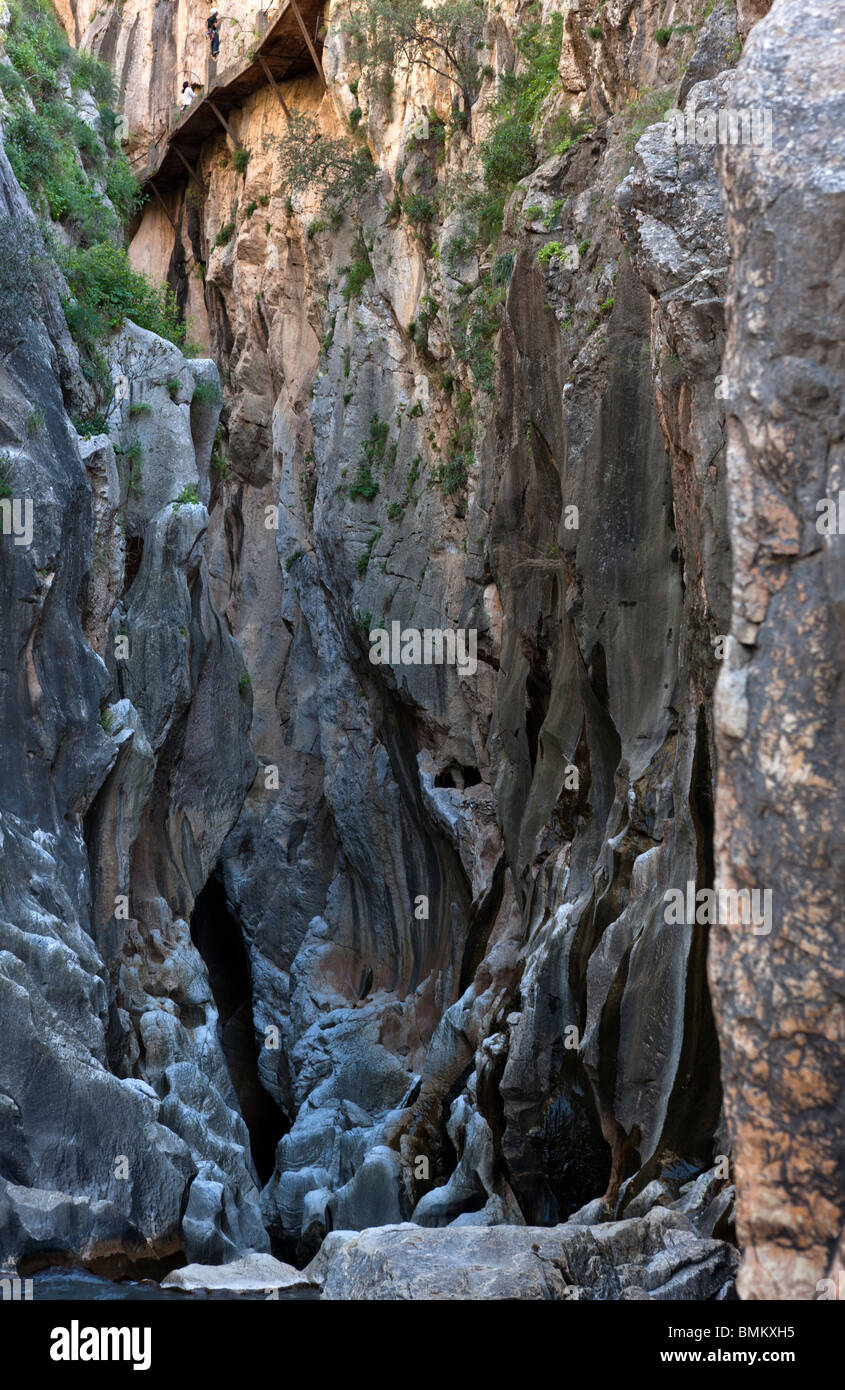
317, 944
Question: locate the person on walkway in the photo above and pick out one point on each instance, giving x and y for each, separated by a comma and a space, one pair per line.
212, 29
187, 95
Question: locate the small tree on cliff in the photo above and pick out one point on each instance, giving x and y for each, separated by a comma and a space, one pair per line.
391, 35
334, 168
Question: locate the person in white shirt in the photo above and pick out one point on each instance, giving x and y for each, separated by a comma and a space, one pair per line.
187, 95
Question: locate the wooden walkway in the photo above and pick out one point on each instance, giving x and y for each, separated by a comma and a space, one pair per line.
287, 46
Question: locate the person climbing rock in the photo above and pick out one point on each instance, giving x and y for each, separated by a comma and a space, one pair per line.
212, 29
187, 95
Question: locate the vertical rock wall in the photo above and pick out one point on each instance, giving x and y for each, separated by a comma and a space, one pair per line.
469, 1002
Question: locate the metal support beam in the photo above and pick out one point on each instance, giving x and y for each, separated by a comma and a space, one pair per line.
191, 171
274, 84
311, 49
225, 124
163, 208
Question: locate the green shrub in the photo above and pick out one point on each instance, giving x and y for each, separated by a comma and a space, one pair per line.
647, 108
662, 36
375, 450
363, 484
363, 561
140, 408
94, 424
122, 188
188, 496
452, 476
173, 384
292, 559
240, 159
595, 31
474, 326
395, 510
105, 290
244, 683
333, 168
502, 268
564, 130
420, 208
89, 73
357, 274
225, 234
250, 209
49, 146
549, 251
206, 392
507, 154
413, 474
134, 455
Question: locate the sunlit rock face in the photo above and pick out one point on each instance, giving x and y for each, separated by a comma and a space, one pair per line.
154, 49
466, 1002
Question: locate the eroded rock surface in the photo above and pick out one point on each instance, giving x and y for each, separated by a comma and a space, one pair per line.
656, 1257
461, 995
779, 701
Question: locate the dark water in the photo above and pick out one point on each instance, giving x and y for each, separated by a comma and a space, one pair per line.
75, 1285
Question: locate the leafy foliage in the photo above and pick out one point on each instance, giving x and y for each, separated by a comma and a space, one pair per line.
66, 169
105, 290
225, 234
357, 274
335, 168
391, 36
646, 109
363, 484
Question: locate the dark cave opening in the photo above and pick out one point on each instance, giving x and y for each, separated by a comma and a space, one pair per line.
134, 556
217, 936
458, 775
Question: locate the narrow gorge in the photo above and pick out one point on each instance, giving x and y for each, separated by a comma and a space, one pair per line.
423, 603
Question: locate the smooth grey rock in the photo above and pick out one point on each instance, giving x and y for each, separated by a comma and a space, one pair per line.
249, 1274
657, 1257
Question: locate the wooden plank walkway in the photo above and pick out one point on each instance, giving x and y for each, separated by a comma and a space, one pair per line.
288, 46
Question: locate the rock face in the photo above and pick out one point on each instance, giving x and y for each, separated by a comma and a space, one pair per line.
390, 941
778, 708
121, 1135
657, 1257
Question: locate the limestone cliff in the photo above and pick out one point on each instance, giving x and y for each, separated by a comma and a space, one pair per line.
397, 945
